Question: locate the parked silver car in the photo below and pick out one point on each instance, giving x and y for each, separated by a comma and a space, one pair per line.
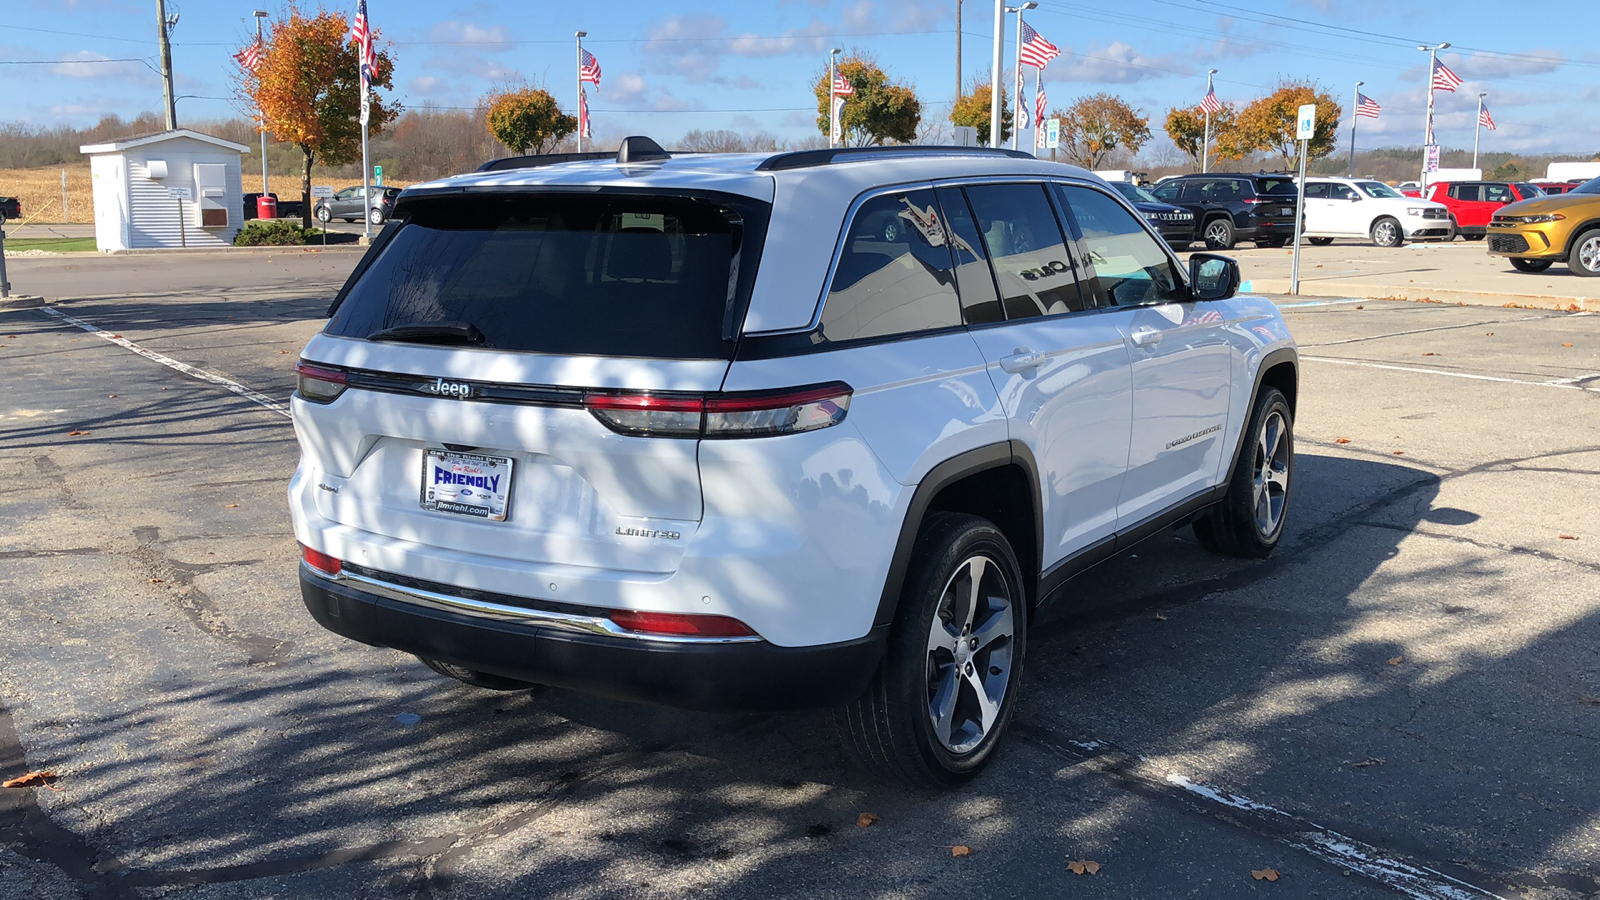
347, 205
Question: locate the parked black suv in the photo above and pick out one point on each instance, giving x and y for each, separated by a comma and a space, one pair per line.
1174, 223
1232, 207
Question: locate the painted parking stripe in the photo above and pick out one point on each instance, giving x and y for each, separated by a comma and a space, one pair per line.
253, 396
1567, 383
1317, 303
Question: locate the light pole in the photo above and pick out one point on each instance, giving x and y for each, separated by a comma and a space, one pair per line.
1427, 142
994, 72
1355, 104
261, 16
1205, 146
1477, 130
580, 35
833, 96
1016, 95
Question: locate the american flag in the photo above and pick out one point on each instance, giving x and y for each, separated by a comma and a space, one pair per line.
583, 114
589, 70
1038, 107
1210, 103
1444, 79
1036, 51
250, 57
361, 33
842, 86
1367, 107
1485, 119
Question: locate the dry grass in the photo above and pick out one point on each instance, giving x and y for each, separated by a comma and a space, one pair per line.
40, 189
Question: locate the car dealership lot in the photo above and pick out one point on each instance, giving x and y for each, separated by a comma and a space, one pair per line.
1412, 681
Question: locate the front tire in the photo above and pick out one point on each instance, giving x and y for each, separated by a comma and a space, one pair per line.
323, 214
375, 216
942, 697
1386, 233
1585, 256
1249, 520
1529, 265
1219, 234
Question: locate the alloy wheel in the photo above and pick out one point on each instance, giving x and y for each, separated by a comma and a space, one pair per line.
1589, 253
1271, 478
969, 659
1384, 233
1217, 235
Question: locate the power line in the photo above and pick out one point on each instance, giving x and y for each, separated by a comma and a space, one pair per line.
67, 62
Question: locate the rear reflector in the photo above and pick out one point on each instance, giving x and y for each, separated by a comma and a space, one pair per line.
320, 561
747, 414
318, 384
676, 625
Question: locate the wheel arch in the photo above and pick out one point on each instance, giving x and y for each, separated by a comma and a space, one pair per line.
999, 482
1580, 231
1278, 369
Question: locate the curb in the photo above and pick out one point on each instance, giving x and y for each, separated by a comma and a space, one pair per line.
1413, 295
22, 301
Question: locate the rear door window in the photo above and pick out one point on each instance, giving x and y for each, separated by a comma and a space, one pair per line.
1466, 192
613, 275
894, 276
1130, 268
1317, 191
1497, 193
1032, 267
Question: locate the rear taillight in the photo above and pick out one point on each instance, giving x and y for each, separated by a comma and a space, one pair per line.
319, 384
1253, 201
320, 561
750, 414
679, 625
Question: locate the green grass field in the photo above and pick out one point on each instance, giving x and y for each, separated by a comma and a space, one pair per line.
57, 245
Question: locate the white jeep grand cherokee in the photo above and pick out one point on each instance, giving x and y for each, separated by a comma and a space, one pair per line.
706, 431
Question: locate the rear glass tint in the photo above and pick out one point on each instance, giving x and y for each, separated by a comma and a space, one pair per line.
612, 275
1276, 186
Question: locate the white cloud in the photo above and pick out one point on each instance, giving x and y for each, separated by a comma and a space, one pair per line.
1115, 63
83, 64
483, 39
1481, 65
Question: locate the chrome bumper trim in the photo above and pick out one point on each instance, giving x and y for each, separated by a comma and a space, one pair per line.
542, 617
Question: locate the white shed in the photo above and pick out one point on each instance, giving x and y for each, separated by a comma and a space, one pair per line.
171, 189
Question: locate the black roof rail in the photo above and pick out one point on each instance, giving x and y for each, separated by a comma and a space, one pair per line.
802, 159
535, 161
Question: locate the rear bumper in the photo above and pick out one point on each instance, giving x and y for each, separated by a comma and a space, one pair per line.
747, 675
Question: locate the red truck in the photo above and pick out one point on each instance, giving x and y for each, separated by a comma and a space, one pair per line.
1473, 203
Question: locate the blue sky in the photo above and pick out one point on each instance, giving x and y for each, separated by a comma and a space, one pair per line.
681, 64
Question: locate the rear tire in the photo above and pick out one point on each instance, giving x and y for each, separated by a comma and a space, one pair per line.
1320, 242
476, 678
1386, 233
1529, 265
1219, 234
960, 632
1249, 520
323, 215
1585, 256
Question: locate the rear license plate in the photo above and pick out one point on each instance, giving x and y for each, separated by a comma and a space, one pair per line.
466, 484
1287, 211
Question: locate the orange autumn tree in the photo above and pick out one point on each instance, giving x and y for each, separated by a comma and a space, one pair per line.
308, 87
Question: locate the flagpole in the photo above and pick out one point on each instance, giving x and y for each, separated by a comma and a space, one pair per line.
1017, 109
1355, 107
833, 108
1477, 131
994, 72
1205, 145
366, 114
261, 114
578, 36
1433, 65
1038, 114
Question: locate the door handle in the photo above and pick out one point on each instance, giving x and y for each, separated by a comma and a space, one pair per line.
1021, 360
1145, 337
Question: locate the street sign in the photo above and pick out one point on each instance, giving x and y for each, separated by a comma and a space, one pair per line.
1052, 132
321, 190
966, 136
180, 193
1306, 122
377, 175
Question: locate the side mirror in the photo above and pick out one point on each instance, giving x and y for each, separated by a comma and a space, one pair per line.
1212, 277
1355, 198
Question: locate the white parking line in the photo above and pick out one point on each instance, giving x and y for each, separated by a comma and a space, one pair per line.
1567, 383
1305, 303
234, 386
1330, 846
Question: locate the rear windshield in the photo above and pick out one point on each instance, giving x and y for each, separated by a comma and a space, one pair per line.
612, 275
1275, 185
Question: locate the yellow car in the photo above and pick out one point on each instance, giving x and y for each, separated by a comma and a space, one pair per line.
1559, 228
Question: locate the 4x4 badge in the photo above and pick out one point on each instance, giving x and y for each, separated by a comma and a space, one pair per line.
457, 389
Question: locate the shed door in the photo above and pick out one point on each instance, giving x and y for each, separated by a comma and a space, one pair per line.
211, 183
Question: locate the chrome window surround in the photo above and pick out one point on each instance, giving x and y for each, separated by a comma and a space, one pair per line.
546, 618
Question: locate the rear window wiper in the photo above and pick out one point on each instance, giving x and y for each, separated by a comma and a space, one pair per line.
431, 333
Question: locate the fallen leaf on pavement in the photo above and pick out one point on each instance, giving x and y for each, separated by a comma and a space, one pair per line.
1399, 453
112, 396
1361, 306
1374, 761
1343, 440
1264, 874
1592, 701
32, 779
1488, 334
961, 850
1397, 660
157, 581
1160, 617
1083, 866
1567, 345
1430, 354
866, 819
1567, 537
75, 433
230, 506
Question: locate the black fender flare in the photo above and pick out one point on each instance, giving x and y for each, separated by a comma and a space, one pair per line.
941, 476
1274, 358
1578, 232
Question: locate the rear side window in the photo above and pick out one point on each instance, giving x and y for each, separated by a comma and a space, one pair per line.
1317, 190
1130, 267
1032, 267
1275, 186
894, 276
974, 281
612, 275
1469, 192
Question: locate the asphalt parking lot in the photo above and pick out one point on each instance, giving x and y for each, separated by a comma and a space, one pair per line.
1403, 701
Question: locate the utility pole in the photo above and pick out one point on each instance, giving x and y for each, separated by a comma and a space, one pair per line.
994, 72
261, 16
1355, 104
166, 62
